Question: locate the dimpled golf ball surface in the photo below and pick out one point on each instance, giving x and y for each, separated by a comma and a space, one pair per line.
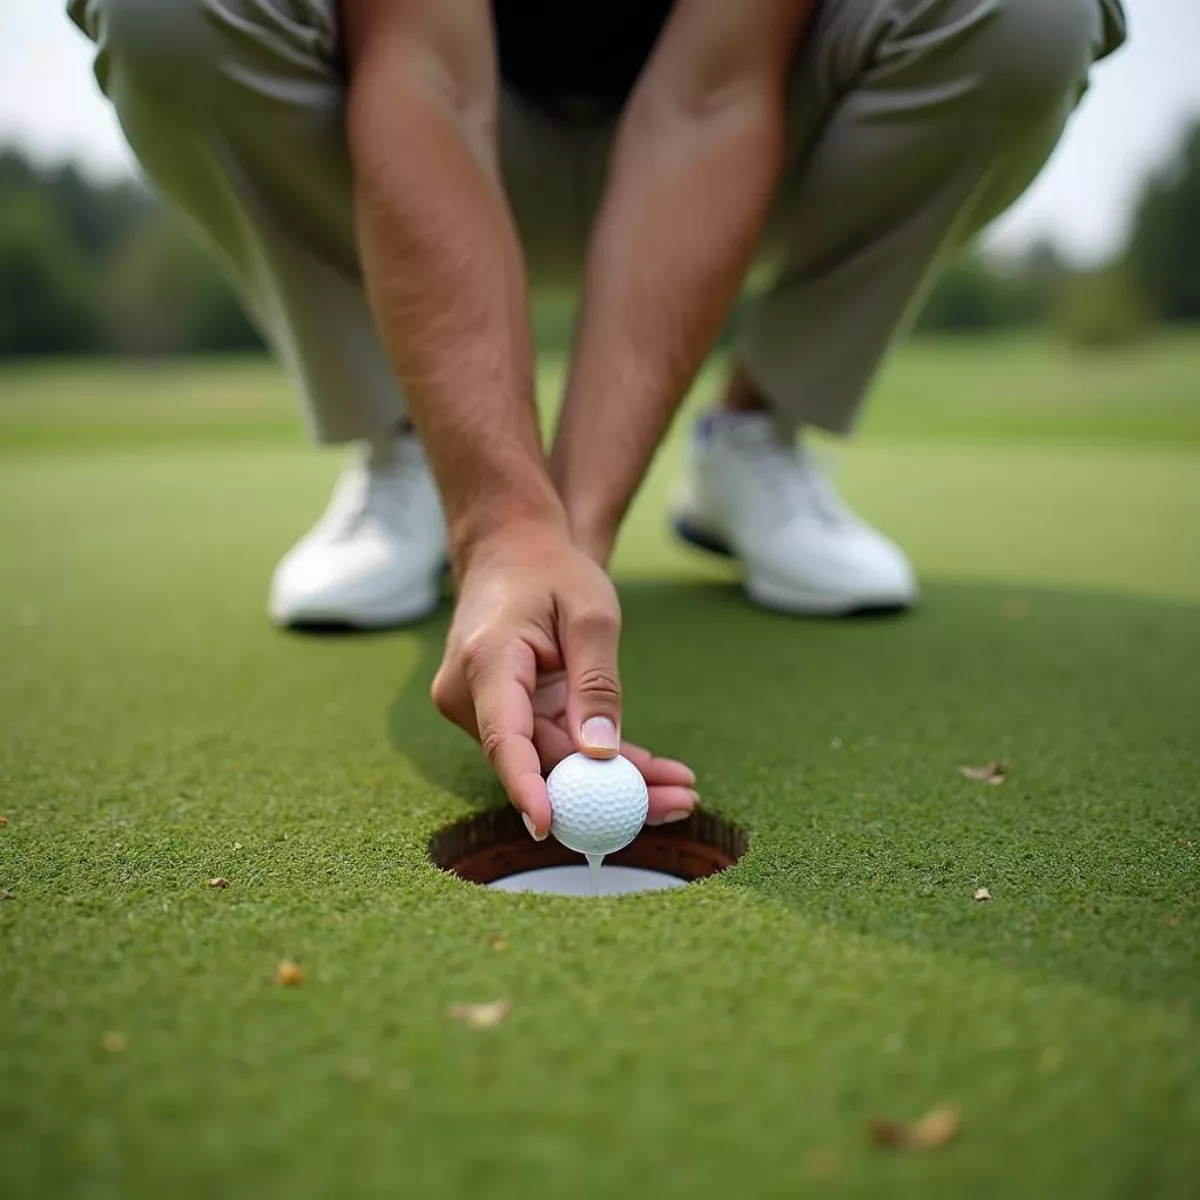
598, 805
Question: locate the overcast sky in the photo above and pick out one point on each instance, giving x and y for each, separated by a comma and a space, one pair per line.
1139, 103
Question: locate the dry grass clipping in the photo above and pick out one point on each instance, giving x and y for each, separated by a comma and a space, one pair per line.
480, 1016
994, 773
288, 974
934, 1130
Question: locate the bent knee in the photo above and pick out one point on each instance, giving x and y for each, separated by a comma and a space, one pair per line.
145, 40
1037, 52
198, 45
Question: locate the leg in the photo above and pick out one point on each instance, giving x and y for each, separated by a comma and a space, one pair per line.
234, 111
914, 122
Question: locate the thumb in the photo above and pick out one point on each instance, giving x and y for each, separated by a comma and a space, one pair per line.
593, 684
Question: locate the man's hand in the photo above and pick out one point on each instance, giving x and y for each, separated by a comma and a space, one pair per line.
530, 669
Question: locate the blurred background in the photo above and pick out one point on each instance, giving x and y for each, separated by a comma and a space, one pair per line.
1100, 255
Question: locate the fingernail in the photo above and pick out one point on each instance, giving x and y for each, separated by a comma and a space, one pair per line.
599, 733
678, 814
529, 825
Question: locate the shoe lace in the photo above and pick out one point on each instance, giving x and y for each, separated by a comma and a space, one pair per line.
792, 475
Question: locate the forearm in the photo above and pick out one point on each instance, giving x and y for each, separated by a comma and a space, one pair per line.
687, 198
444, 272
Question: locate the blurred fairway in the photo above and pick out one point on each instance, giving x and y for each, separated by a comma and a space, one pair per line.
730, 1039
1014, 389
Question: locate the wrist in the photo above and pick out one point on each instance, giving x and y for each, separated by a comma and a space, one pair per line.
585, 483
479, 530
593, 531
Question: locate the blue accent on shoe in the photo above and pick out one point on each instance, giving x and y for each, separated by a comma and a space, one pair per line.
700, 538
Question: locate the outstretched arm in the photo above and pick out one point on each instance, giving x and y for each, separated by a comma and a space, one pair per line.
530, 668
694, 168
440, 255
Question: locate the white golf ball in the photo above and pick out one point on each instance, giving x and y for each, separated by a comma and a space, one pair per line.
598, 805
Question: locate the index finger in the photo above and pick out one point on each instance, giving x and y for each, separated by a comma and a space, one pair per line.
504, 715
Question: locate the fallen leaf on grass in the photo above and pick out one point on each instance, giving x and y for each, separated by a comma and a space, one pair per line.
3, 822
113, 1042
480, 1016
219, 882
497, 943
994, 773
933, 1131
982, 894
288, 974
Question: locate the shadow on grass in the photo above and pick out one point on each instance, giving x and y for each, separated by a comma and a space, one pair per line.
837, 746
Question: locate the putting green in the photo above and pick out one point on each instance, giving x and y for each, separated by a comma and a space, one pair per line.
732, 1038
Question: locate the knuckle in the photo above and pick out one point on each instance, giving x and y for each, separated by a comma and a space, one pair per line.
597, 620
441, 691
476, 655
599, 684
492, 741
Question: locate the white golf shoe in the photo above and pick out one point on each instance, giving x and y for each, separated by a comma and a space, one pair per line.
756, 496
377, 555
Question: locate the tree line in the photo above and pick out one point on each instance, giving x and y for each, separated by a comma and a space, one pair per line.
88, 267
1153, 280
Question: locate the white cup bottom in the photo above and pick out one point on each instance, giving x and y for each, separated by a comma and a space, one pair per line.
573, 881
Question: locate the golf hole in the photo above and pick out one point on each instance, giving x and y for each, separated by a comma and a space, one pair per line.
494, 850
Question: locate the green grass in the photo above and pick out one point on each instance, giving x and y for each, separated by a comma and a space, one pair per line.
730, 1039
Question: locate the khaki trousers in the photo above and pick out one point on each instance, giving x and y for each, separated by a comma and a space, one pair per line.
911, 123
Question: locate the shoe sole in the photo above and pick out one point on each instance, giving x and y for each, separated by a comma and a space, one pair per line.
381, 617
785, 597
702, 539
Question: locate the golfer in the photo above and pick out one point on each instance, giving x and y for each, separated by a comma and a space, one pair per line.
384, 179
